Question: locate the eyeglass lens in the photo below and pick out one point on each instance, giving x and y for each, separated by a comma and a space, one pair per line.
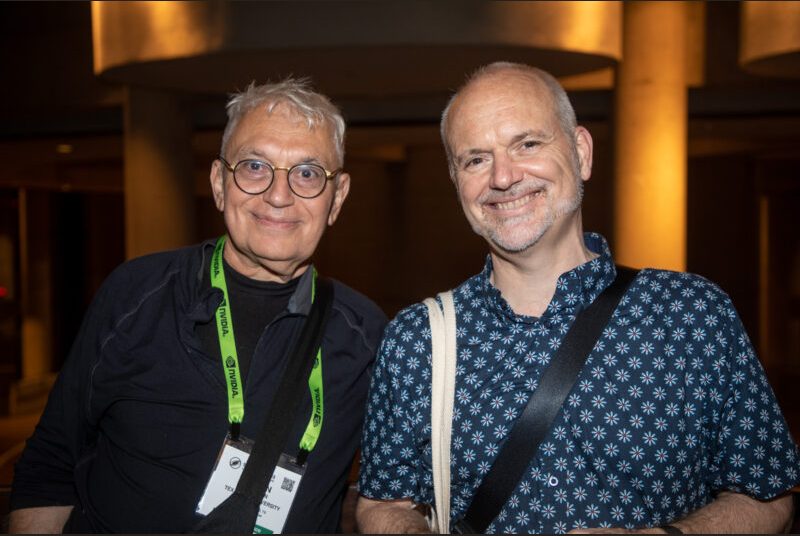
255, 177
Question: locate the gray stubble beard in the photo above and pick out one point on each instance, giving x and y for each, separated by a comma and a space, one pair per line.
552, 214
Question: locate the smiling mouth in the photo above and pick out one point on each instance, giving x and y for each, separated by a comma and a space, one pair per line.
274, 222
517, 203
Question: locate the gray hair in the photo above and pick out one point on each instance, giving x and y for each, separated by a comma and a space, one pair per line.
564, 110
296, 93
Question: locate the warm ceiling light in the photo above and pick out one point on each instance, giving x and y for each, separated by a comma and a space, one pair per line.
64, 148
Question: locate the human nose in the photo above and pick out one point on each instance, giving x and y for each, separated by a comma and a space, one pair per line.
279, 194
504, 173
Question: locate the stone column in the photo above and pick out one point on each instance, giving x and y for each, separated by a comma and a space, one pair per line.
651, 137
159, 182
36, 293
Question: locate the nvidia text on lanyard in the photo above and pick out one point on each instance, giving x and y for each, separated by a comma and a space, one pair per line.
236, 448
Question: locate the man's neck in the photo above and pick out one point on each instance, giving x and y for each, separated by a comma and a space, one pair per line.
527, 280
260, 269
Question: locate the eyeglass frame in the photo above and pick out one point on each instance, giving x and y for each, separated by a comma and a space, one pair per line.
328, 175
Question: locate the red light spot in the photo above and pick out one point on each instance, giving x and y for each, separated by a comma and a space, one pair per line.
3, 292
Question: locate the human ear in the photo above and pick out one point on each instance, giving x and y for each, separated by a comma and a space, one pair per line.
342, 189
217, 184
584, 147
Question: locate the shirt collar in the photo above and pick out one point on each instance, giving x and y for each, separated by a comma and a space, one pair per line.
300, 302
575, 289
206, 299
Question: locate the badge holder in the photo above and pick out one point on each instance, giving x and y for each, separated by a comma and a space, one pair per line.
277, 502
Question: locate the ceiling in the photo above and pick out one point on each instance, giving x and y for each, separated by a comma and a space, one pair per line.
50, 89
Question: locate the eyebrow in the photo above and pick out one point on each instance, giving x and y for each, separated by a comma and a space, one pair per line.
523, 135
536, 134
460, 158
248, 153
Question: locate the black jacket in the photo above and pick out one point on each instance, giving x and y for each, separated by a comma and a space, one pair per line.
139, 412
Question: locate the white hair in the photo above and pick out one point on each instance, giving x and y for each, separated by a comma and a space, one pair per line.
296, 93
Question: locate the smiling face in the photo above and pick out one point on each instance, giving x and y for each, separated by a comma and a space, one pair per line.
518, 174
273, 234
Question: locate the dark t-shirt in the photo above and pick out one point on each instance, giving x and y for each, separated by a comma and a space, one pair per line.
254, 304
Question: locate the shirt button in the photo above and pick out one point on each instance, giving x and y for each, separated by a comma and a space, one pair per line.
552, 481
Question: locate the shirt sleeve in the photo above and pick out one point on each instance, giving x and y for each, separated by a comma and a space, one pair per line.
44, 475
755, 452
395, 456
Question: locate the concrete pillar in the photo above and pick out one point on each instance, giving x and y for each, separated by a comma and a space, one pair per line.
36, 293
651, 137
159, 183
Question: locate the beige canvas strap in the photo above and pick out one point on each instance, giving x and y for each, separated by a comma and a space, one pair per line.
443, 379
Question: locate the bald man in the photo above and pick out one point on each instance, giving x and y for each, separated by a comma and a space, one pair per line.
670, 426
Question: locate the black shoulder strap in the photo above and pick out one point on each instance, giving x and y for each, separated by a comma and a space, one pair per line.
543, 406
238, 513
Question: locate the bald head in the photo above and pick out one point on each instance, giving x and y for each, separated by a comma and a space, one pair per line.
508, 80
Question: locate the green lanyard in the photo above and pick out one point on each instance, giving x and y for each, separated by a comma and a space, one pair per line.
230, 361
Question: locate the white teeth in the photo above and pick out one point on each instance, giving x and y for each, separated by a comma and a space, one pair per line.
511, 205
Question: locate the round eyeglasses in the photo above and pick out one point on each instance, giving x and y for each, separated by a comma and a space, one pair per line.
255, 177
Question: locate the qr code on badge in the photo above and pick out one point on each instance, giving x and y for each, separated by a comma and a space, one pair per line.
288, 484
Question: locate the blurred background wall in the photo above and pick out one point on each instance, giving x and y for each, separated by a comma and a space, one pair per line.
111, 114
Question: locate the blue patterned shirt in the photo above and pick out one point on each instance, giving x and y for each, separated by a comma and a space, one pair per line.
671, 407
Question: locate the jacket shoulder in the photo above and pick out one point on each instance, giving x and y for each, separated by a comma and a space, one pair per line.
348, 298
146, 274
361, 313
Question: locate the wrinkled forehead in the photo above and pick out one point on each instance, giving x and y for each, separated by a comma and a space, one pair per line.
282, 122
491, 98
285, 113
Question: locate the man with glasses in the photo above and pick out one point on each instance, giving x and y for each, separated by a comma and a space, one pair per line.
143, 410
